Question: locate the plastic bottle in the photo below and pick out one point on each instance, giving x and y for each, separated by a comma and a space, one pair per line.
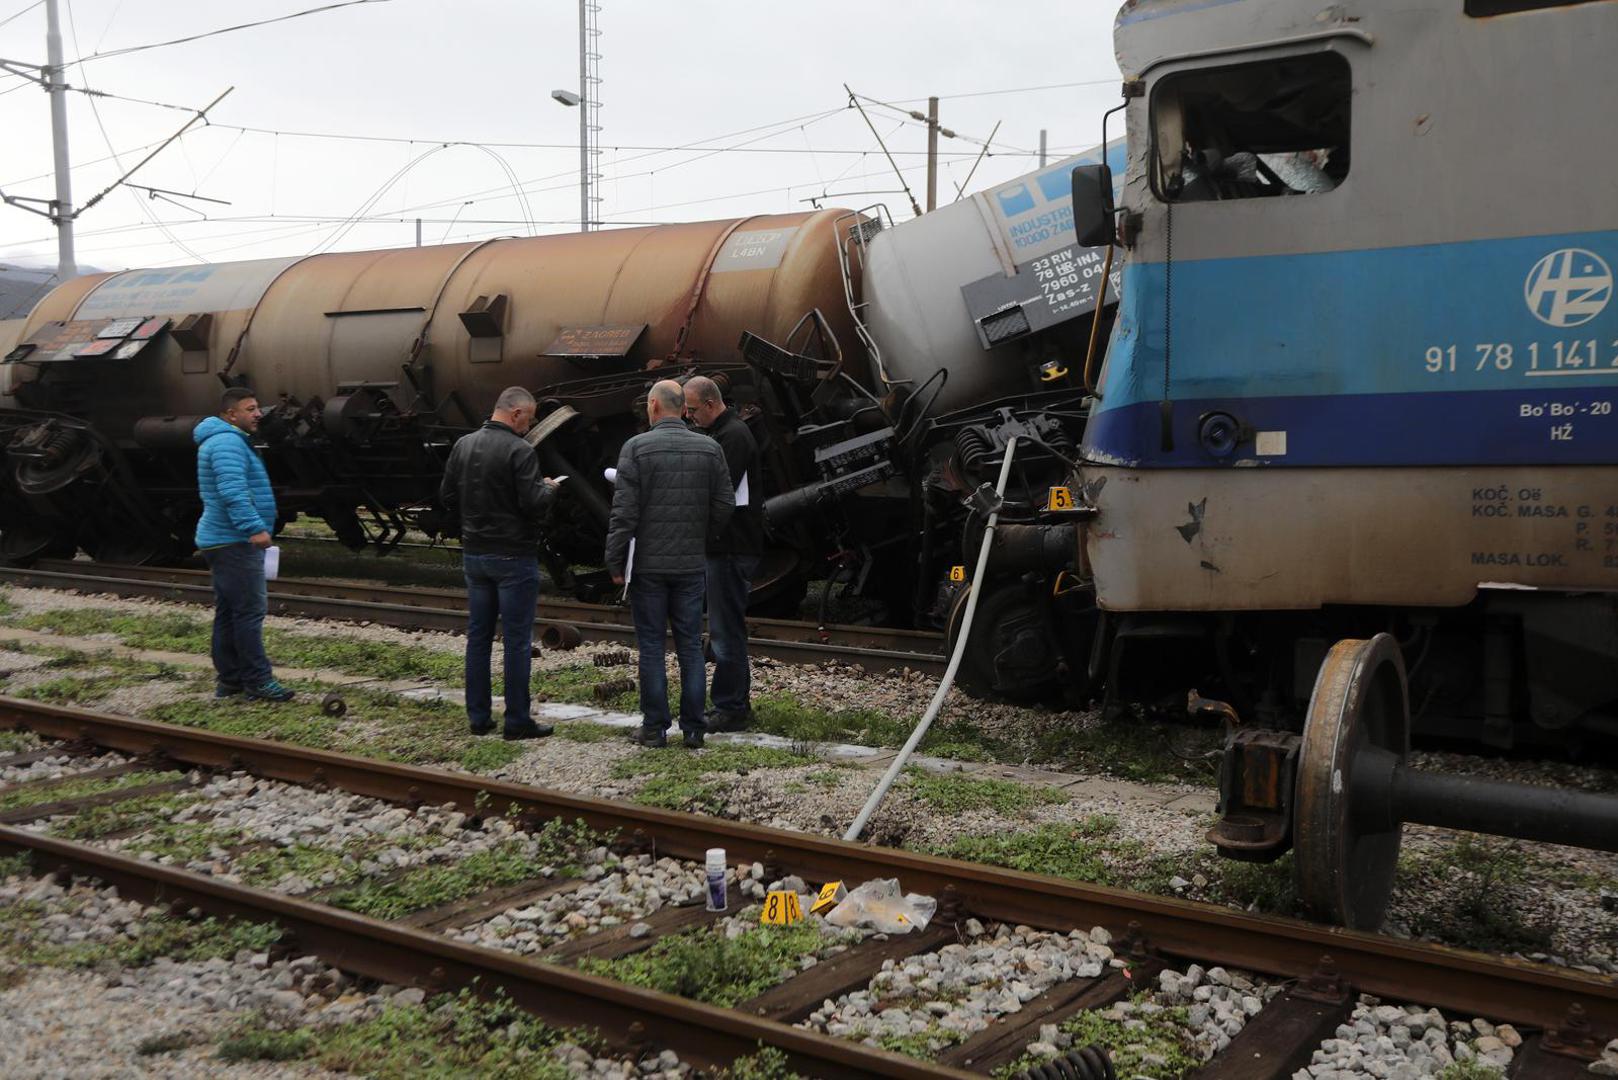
716, 879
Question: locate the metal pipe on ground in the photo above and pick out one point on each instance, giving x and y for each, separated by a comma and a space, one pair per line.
937, 704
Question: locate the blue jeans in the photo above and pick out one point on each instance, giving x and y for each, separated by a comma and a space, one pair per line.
504, 587
240, 599
729, 579
660, 603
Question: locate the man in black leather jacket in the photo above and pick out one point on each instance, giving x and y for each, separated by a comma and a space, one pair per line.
672, 493
733, 555
493, 481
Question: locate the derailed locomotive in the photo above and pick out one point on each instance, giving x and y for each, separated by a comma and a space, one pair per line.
1352, 460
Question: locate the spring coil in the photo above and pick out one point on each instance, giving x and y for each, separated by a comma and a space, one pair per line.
974, 446
1088, 1063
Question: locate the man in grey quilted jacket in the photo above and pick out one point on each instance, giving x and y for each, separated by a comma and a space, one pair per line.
672, 493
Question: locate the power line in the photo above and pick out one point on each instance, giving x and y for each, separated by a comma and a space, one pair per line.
20, 14
225, 30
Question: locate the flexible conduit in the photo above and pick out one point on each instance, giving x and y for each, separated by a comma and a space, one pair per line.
973, 592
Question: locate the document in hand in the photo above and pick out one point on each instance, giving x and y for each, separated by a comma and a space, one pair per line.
741, 492
272, 562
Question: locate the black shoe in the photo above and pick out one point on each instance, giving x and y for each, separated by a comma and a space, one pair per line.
728, 720
649, 738
529, 730
481, 729
226, 689
693, 740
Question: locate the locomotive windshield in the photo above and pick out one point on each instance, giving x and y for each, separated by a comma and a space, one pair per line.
1274, 128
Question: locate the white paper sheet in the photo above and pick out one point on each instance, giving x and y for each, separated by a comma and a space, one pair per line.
272, 562
611, 474
629, 562
741, 491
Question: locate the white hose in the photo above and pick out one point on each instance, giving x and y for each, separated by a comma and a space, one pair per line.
965, 634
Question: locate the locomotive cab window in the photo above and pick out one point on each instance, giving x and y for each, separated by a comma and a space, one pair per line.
1252, 131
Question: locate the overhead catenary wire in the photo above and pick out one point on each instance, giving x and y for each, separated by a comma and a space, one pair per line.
224, 30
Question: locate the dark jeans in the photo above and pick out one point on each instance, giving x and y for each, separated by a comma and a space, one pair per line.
240, 599
729, 578
659, 603
507, 587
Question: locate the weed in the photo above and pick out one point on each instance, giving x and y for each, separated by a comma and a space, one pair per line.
25, 937
675, 780
708, 966
165, 1044
1483, 913
73, 790
17, 742
1468, 1070
920, 1044
558, 844
487, 755
450, 1037
17, 865
252, 1043
1076, 850
1146, 1044
826, 778
586, 732
766, 1063
955, 793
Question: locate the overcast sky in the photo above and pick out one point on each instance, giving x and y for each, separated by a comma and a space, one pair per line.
719, 73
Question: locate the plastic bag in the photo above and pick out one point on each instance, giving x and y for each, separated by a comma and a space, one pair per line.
877, 905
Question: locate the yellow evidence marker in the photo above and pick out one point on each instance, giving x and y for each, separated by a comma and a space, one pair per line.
830, 893
957, 573
1060, 498
781, 909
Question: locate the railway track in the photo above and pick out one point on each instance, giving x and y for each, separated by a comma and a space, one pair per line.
559, 621
1565, 1015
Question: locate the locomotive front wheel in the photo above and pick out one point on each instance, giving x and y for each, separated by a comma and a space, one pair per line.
1345, 859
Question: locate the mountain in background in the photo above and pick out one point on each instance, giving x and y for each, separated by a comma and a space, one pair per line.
21, 287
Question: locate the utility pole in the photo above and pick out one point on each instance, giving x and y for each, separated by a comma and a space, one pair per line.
933, 132
62, 208
932, 153
589, 112
1041, 148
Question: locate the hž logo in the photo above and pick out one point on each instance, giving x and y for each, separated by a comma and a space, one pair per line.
1568, 287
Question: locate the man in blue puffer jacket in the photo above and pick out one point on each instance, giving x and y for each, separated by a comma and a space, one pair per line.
238, 512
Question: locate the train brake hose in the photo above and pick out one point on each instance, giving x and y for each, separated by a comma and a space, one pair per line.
937, 704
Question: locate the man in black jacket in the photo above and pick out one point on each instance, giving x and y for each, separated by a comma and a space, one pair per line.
672, 493
733, 556
492, 479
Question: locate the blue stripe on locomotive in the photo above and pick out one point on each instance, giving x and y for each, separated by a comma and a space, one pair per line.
1350, 354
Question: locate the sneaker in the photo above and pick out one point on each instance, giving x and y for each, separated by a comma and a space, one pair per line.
529, 730
481, 729
649, 738
226, 689
693, 740
728, 720
269, 690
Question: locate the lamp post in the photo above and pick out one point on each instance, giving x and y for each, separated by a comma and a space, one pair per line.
572, 100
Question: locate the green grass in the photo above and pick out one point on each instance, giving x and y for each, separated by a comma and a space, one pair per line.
449, 1038
153, 1045
140, 812
71, 790
767, 1063
677, 780
416, 566
1469, 1070
707, 966
265, 1044
1152, 1045
955, 793
106, 674
24, 939
1480, 879
378, 725
17, 742
586, 732
1078, 850
559, 844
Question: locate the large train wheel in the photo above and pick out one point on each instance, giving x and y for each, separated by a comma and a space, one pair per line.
1012, 652
1345, 860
